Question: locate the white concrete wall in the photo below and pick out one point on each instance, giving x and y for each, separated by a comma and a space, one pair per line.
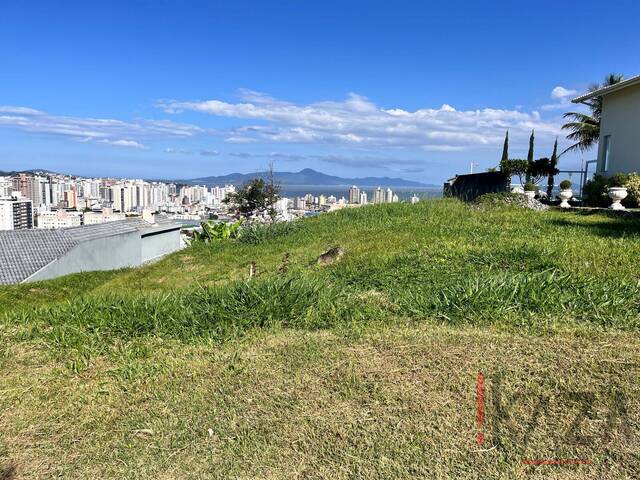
107, 253
621, 120
157, 246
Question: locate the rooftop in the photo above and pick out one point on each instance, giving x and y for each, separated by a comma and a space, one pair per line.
24, 252
610, 89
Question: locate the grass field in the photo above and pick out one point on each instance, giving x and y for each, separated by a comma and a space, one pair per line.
362, 369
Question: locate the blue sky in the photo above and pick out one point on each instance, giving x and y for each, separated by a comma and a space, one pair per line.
177, 89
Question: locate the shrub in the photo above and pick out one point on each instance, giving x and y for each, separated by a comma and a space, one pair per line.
618, 180
565, 185
633, 188
514, 166
529, 187
216, 231
595, 192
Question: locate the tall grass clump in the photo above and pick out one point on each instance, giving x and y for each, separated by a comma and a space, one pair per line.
92, 325
259, 233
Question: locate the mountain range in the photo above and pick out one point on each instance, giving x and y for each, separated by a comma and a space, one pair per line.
306, 176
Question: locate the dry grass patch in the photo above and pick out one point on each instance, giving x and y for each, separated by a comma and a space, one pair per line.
396, 402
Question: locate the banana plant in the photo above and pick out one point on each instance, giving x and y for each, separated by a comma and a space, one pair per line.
213, 232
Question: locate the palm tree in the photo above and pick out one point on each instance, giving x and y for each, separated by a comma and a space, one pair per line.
585, 128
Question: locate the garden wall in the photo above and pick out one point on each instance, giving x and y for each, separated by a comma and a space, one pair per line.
471, 186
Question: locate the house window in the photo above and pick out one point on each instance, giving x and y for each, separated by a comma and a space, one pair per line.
606, 149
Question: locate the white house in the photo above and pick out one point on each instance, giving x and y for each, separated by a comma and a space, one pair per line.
619, 145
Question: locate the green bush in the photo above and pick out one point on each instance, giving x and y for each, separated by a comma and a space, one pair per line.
211, 232
529, 187
618, 180
633, 188
595, 191
565, 185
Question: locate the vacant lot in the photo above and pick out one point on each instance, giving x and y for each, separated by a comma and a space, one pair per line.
362, 369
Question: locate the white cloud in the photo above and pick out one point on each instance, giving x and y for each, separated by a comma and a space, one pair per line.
562, 97
20, 110
209, 153
124, 143
106, 131
357, 121
561, 93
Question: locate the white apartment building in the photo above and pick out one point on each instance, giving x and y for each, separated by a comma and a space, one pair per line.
389, 195
59, 219
106, 215
378, 195
354, 194
6, 187
16, 213
300, 203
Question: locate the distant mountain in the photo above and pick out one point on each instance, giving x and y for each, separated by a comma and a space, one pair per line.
34, 171
307, 176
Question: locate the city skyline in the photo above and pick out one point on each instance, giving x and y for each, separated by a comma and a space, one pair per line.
60, 201
214, 89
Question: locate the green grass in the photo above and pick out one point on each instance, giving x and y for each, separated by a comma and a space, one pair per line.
361, 369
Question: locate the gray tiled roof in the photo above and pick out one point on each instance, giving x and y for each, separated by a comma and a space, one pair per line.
24, 252
99, 230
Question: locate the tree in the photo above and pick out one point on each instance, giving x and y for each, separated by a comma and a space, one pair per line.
585, 128
514, 166
272, 192
539, 169
256, 197
554, 165
505, 148
530, 156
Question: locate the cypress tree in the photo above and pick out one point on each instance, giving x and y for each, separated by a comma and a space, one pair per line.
505, 150
530, 157
552, 169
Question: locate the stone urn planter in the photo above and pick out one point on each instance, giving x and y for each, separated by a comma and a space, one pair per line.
565, 196
617, 194
530, 193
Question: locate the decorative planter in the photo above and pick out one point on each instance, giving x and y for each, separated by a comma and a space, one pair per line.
565, 196
617, 194
530, 193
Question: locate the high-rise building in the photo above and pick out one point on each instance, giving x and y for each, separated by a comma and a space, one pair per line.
16, 213
29, 186
354, 194
6, 187
71, 197
300, 203
378, 195
389, 195
363, 198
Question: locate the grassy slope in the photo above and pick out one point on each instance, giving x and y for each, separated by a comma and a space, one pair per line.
362, 369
